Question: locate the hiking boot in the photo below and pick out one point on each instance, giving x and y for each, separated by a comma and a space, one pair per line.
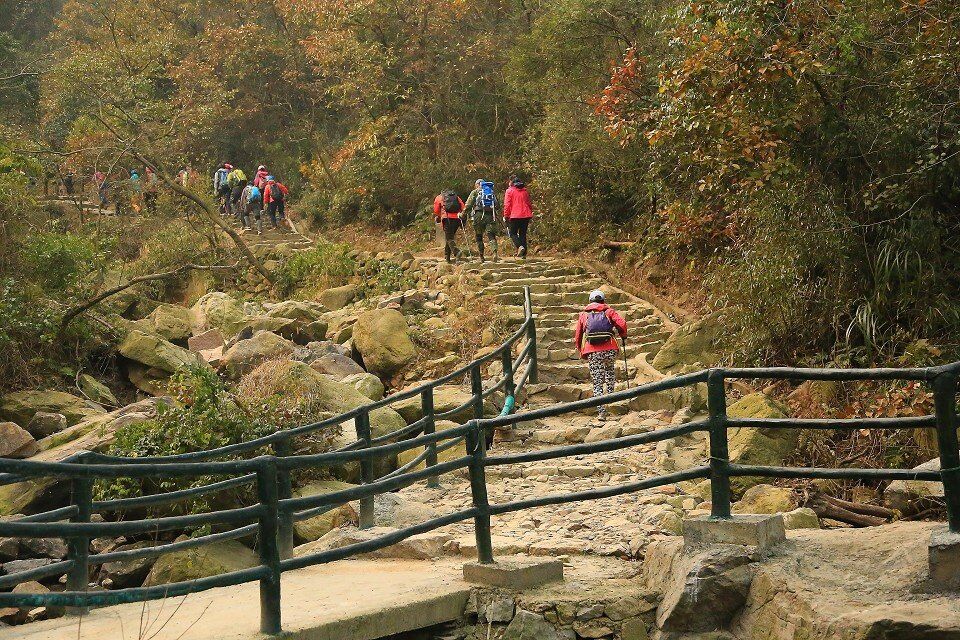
523, 252
482, 259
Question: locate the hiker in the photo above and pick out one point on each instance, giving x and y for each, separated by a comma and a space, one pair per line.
252, 203
260, 178
102, 186
517, 212
237, 180
274, 199
482, 207
150, 190
595, 339
136, 191
221, 187
447, 208
68, 183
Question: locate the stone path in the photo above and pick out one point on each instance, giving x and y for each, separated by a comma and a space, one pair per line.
319, 603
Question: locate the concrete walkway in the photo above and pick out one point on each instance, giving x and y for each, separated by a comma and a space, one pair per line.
347, 600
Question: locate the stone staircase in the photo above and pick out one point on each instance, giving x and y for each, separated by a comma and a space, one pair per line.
558, 292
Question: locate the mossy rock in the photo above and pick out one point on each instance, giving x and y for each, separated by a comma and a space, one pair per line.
217, 310
694, 343
445, 398
34, 496
752, 446
317, 526
202, 562
156, 352
383, 339
246, 355
442, 456
766, 498
171, 321
20, 406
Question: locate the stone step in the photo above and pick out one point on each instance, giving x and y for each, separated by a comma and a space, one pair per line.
546, 394
579, 288
638, 308
636, 320
570, 298
527, 280
637, 333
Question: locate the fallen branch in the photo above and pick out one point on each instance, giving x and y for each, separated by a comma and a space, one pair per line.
100, 297
825, 509
860, 507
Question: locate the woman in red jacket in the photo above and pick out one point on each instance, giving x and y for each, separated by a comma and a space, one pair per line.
517, 212
595, 339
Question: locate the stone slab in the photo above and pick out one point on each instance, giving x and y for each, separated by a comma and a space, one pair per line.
514, 573
345, 600
755, 530
943, 556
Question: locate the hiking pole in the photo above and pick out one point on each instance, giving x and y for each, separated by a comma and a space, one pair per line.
626, 367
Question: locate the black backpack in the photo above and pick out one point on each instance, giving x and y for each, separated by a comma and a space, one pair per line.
451, 201
276, 193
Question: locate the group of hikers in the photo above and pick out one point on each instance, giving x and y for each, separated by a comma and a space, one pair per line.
249, 201
451, 213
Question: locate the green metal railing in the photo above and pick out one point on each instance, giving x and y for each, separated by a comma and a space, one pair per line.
272, 516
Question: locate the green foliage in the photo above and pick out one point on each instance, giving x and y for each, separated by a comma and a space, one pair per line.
384, 276
326, 264
63, 262
168, 247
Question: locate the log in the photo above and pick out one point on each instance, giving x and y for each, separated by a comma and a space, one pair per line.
860, 507
618, 244
824, 509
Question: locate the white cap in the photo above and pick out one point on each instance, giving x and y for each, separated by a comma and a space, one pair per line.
597, 296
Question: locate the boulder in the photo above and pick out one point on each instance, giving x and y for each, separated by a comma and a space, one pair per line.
16, 442
338, 297
318, 526
201, 562
694, 343
150, 380
171, 321
96, 390
209, 339
128, 573
527, 625
907, 496
445, 398
217, 310
446, 455
705, 589
766, 498
156, 352
393, 510
297, 310
44, 424
20, 406
367, 384
424, 546
336, 365
247, 355
55, 548
802, 518
750, 446
383, 339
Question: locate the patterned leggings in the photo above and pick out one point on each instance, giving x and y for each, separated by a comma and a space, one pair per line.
603, 373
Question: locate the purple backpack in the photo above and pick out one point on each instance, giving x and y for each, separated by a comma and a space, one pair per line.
599, 329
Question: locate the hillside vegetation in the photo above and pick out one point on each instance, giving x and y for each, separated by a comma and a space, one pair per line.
795, 163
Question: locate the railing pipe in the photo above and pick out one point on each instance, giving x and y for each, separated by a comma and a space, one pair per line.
79, 545
508, 386
719, 453
429, 427
532, 343
362, 422
269, 547
476, 391
476, 447
284, 448
945, 402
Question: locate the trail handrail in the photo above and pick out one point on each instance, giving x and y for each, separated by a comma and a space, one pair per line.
276, 509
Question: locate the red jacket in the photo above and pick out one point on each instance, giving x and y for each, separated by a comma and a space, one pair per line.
516, 203
266, 190
439, 212
611, 345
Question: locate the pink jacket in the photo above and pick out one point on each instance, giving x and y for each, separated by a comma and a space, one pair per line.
516, 203
584, 347
260, 179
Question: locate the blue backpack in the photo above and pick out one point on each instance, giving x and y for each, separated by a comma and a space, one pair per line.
255, 194
486, 199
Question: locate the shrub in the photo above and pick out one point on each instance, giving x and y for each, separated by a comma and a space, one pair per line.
62, 262
167, 248
327, 264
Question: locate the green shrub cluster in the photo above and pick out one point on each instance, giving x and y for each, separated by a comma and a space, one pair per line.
327, 264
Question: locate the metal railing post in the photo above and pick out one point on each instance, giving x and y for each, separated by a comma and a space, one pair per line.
366, 469
476, 389
476, 446
509, 388
532, 341
78, 577
719, 453
945, 403
429, 427
269, 548
282, 449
